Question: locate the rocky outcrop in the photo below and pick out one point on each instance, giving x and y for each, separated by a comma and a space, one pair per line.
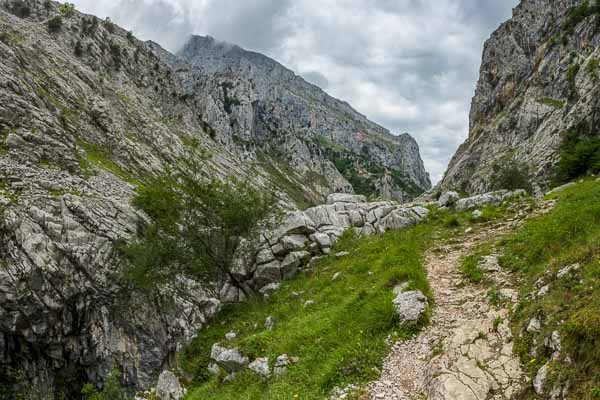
302, 236
538, 79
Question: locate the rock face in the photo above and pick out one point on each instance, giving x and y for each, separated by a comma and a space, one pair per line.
305, 235
537, 80
168, 387
251, 99
87, 112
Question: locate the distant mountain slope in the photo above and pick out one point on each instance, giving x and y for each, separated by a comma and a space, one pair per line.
269, 108
539, 78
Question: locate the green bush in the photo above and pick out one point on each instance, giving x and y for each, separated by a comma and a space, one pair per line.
592, 68
109, 26
67, 10
510, 174
197, 228
112, 389
579, 155
55, 24
78, 50
579, 13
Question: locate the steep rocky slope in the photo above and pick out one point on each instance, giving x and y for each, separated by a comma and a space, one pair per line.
264, 107
539, 78
87, 112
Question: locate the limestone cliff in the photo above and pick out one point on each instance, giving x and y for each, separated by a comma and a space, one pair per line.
539, 78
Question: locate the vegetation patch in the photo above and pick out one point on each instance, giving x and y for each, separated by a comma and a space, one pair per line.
550, 102
510, 174
98, 156
569, 234
339, 339
579, 155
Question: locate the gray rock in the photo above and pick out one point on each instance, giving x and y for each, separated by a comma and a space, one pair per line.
261, 367
292, 262
345, 198
168, 387
322, 239
477, 214
568, 270
294, 242
230, 335
342, 254
535, 325
448, 199
214, 369
540, 381
336, 276
270, 323
410, 306
281, 364
230, 360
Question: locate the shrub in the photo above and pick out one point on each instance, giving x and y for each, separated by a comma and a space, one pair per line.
572, 72
55, 24
112, 389
115, 52
130, 36
20, 9
470, 268
592, 68
451, 221
198, 227
510, 174
109, 26
78, 50
67, 10
579, 155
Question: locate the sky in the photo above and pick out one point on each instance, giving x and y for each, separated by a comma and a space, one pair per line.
409, 65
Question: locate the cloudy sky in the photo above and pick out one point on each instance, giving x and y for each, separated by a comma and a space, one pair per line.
409, 65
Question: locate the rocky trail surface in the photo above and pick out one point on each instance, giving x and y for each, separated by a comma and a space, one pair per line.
466, 353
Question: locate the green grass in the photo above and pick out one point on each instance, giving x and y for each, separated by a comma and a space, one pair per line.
98, 156
470, 268
551, 102
340, 339
569, 234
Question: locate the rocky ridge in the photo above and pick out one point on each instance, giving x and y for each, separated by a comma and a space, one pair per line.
538, 79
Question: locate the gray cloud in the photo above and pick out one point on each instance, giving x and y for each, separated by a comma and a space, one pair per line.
410, 65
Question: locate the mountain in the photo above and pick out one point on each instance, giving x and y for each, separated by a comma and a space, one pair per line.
88, 113
538, 82
254, 101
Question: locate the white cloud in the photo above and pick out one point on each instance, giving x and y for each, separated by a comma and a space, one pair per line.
410, 65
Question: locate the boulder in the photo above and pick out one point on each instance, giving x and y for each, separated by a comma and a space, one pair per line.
261, 367
561, 188
294, 242
291, 263
168, 387
281, 364
269, 323
541, 378
410, 306
448, 199
231, 360
322, 239
345, 198
267, 273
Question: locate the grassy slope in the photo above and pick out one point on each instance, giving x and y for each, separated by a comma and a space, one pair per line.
569, 234
340, 339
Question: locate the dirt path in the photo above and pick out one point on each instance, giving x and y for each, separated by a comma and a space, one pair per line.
466, 351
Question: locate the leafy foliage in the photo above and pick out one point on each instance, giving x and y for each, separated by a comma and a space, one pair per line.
198, 226
510, 174
112, 389
67, 10
579, 155
578, 14
55, 24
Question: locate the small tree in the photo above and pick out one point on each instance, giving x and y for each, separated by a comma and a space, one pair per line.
55, 24
510, 174
199, 227
78, 50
